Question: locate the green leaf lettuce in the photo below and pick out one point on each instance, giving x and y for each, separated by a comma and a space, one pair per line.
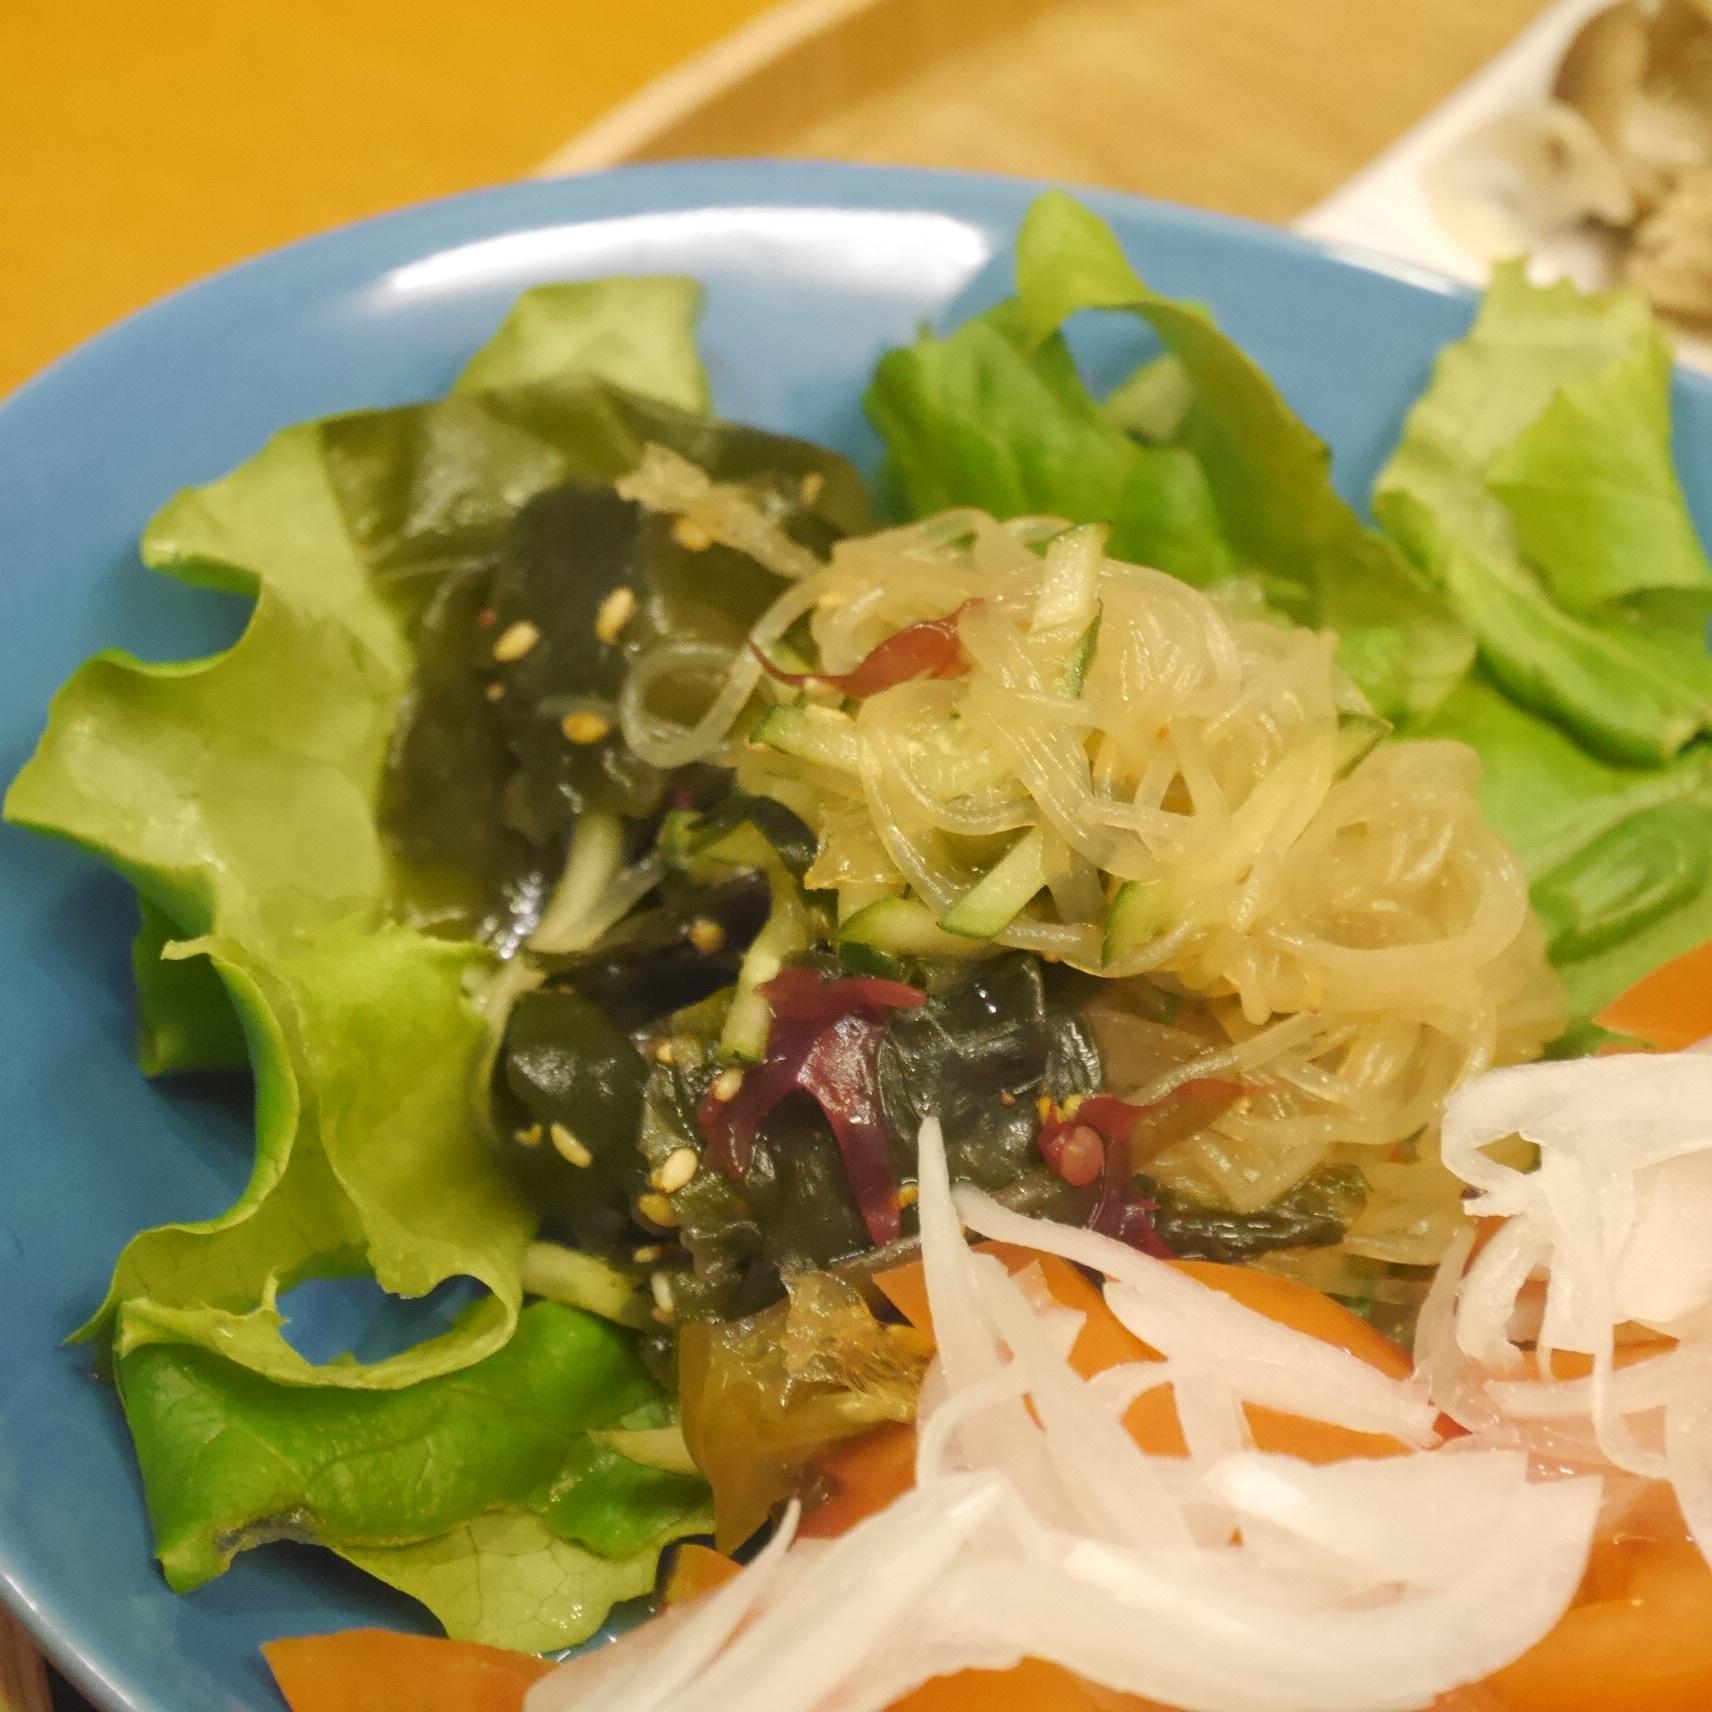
238, 793
996, 415
1534, 485
433, 1487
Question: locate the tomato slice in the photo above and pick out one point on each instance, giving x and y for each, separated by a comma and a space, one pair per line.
866, 1475
1032, 1686
698, 1569
374, 1670
1640, 1639
1671, 1008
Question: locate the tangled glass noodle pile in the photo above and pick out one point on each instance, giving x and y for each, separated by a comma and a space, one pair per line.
1184, 794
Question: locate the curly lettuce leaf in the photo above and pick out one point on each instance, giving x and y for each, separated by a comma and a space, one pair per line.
506, 1580
1534, 485
638, 333
1547, 429
1268, 472
976, 419
1592, 490
238, 794
365, 1053
186, 1020
439, 1474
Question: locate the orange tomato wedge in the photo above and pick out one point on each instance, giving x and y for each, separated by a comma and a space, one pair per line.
866, 1475
1671, 1008
696, 1570
1032, 1686
374, 1670
1640, 1638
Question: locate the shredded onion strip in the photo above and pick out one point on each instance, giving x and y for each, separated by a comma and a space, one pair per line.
1615, 1224
1229, 1581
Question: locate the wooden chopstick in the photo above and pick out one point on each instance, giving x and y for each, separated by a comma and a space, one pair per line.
23, 1675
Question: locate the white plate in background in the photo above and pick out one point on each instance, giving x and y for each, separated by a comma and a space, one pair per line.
1384, 208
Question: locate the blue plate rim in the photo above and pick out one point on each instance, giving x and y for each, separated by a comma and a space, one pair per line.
788, 180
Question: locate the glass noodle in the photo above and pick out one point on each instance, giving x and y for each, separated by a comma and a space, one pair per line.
1271, 893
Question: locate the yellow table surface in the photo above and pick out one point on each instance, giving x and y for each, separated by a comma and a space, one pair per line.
144, 143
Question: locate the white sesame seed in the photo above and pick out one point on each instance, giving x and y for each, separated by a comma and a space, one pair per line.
691, 535
649, 1254
615, 612
657, 1210
568, 1147
661, 1285
681, 1164
585, 726
515, 640
529, 1137
664, 1053
706, 935
908, 1195
726, 1084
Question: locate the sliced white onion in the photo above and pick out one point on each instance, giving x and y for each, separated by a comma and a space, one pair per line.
1182, 1319
1226, 1581
1616, 1223
967, 1344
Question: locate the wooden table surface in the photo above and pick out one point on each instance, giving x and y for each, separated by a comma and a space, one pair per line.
146, 142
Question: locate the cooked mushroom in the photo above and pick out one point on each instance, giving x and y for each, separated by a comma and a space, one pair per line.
1602, 69
1670, 258
1678, 35
1612, 174
1600, 76
1527, 177
1669, 124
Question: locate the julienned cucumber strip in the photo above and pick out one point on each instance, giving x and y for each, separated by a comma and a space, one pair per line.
995, 901
810, 733
902, 927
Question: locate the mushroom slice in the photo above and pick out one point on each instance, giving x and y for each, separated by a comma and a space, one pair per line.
1671, 256
1602, 69
1679, 33
1601, 76
1669, 126
1527, 178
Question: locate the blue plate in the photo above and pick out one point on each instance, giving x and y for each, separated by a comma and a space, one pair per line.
812, 272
